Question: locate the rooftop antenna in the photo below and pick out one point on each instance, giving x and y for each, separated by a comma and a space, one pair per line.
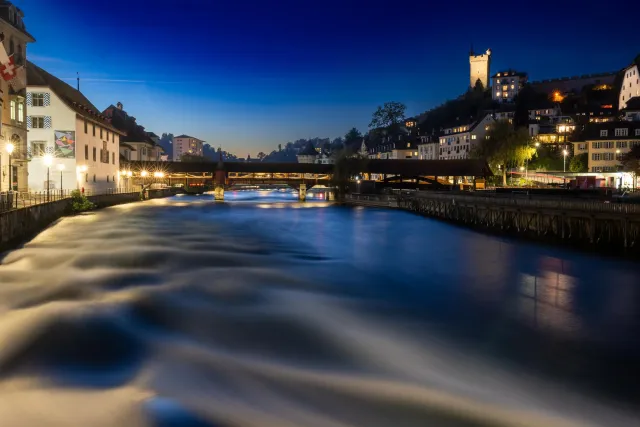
78, 74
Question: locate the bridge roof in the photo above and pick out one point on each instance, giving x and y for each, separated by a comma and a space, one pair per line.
408, 168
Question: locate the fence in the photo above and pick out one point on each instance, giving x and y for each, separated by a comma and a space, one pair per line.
19, 200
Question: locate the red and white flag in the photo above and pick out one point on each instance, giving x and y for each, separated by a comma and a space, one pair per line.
9, 69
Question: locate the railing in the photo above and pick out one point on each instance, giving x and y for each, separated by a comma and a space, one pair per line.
564, 205
19, 200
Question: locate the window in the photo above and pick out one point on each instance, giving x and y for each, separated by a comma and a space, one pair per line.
86, 152
100, 133
408, 144
86, 126
604, 133
94, 154
144, 151
607, 156
13, 110
113, 158
86, 177
607, 144
474, 136
637, 132
107, 178
596, 144
622, 131
94, 177
37, 122
107, 135
582, 146
38, 148
513, 87
497, 93
621, 144
595, 156
20, 112
37, 100
94, 129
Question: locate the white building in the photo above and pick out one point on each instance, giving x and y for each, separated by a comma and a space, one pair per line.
307, 155
630, 85
397, 147
185, 144
458, 141
506, 85
428, 151
479, 66
65, 127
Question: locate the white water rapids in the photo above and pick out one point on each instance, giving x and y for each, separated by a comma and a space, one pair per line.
184, 312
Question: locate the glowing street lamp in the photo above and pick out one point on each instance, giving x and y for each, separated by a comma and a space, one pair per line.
10, 147
144, 174
48, 161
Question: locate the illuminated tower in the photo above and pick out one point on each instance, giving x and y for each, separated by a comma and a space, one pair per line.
479, 68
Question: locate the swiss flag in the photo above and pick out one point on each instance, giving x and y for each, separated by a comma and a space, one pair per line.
8, 69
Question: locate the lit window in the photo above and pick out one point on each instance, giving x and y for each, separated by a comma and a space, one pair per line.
604, 133
505, 87
408, 144
622, 132
20, 112
38, 148
13, 110
474, 137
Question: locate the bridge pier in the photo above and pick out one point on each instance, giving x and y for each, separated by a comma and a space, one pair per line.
302, 192
218, 193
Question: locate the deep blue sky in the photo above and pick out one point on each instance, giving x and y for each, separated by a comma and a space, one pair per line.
248, 75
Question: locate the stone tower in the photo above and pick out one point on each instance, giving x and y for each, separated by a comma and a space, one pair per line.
479, 68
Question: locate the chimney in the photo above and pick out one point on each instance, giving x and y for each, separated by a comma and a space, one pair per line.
119, 106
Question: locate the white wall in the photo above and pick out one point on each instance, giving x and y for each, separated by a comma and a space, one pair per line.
630, 86
65, 119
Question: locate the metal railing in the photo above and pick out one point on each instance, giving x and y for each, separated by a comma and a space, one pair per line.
19, 200
586, 206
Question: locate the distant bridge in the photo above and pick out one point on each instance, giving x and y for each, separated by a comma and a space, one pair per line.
306, 175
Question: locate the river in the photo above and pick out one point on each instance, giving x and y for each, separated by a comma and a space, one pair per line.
262, 311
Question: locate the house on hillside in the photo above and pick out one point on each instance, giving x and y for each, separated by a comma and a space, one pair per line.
307, 155
460, 137
136, 145
399, 146
68, 136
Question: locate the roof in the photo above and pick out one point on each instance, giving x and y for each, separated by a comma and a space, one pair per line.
592, 131
125, 123
633, 104
152, 135
73, 98
125, 145
509, 73
17, 24
408, 168
186, 137
308, 150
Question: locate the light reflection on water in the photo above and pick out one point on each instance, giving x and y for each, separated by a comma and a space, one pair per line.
265, 311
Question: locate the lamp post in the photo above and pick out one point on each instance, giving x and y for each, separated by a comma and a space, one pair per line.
48, 160
61, 168
10, 147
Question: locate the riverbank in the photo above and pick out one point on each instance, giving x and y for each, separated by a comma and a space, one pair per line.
591, 225
19, 225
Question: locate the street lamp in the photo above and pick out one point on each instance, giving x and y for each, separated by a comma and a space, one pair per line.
10, 147
61, 168
48, 161
564, 163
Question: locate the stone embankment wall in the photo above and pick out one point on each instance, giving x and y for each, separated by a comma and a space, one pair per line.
19, 225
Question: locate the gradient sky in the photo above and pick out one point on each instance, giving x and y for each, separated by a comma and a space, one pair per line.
248, 75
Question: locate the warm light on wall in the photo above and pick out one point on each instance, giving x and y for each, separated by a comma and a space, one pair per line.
556, 96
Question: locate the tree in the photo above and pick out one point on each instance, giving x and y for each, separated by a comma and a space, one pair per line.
479, 87
631, 162
505, 147
579, 163
392, 113
261, 155
190, 158
352, 137
279, 147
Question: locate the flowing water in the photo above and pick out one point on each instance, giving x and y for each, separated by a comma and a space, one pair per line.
262, 311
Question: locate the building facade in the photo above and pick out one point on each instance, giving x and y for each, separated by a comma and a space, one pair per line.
307, 155
428, 151
479, 68
13, 132
396, 147
136, 144
605, 143
71, 144
630, 87
457, 142
506, 85
185, 144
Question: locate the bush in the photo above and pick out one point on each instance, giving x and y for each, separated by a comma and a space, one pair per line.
80, 203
